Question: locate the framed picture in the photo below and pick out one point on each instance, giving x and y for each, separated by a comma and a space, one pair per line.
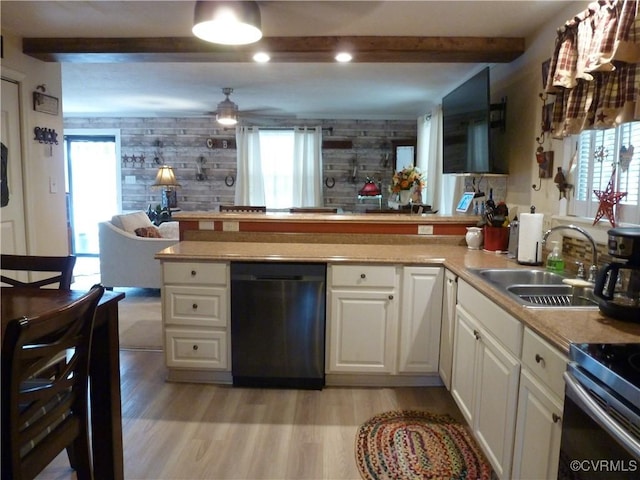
546, 65
465, 202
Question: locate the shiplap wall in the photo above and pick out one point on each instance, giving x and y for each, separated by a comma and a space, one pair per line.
184, 140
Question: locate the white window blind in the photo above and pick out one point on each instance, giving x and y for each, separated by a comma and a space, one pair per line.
598, 152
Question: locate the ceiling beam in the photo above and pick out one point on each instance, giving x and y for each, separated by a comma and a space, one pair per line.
365, 49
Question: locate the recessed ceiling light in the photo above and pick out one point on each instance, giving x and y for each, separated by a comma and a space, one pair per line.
344, 57
261, 57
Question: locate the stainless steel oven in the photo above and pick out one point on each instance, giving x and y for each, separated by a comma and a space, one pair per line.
601, 419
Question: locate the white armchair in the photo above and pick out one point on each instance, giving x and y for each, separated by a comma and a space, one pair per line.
126, 259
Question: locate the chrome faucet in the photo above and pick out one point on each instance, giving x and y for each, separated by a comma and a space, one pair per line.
593, 269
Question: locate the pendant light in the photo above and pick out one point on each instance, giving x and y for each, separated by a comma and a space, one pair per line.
227, 113
228, 23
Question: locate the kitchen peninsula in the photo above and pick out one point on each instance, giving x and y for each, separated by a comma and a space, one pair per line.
198, 225
339, 239
401, 310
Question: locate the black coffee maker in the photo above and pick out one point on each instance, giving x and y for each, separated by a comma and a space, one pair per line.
618, 284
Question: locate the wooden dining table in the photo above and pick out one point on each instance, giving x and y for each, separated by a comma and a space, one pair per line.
104, 367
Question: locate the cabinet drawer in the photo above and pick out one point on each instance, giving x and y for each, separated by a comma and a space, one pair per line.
363, 276
200, 349
195, 273
196, 306
503, 326
544, 361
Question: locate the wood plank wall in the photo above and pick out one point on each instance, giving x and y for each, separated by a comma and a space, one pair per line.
180, 142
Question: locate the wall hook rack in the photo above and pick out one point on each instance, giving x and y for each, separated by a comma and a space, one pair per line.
45, 135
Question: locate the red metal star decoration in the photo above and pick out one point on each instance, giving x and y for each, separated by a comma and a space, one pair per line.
608, 200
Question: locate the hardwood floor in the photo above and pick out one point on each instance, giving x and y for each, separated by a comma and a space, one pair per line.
193, 431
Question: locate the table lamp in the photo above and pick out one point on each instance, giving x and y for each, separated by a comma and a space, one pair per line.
166, 180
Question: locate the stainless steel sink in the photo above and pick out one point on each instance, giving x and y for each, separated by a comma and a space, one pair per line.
538, 288
508, 276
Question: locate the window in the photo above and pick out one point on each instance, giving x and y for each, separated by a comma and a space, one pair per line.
279, 168
598, 152
276, 153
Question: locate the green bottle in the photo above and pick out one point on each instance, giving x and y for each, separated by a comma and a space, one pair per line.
555, 262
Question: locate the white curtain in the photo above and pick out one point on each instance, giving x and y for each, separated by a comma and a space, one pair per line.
249, 178
307, 167
429, 156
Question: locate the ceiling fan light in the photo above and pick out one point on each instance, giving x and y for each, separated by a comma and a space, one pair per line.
223, 119
227, 23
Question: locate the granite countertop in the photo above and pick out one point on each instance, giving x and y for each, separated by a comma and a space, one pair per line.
400, 217
560, 326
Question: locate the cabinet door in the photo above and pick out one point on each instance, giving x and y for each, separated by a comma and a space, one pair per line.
363, 331
496, 397
447, 329
464, 363
420, 318
538, 431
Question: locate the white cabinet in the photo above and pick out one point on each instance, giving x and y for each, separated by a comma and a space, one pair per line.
384, 319
485, 374
540, 403
195, 300
420, 319
362, 329
449, 299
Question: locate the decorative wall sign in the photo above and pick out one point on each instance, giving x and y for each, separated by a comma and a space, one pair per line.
45, 103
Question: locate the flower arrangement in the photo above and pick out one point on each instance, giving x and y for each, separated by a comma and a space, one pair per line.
407, 178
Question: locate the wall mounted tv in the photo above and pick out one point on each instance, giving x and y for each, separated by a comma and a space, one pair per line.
468, 130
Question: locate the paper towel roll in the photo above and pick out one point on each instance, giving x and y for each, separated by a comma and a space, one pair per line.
530, 238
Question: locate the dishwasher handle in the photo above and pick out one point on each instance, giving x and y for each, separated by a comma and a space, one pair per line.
276, 278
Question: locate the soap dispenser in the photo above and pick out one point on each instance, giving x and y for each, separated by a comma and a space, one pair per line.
555, 262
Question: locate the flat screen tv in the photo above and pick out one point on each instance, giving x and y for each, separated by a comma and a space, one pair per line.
468, 143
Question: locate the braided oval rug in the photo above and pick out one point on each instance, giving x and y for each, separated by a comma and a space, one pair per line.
409, 444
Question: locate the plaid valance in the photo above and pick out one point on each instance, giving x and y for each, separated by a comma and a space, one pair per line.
594, 72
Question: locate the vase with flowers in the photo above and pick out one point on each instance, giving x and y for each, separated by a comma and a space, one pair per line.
407, 185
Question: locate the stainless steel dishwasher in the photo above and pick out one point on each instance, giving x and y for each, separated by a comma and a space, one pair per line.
278, 324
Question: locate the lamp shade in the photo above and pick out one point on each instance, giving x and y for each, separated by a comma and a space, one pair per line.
227, 23
166, 178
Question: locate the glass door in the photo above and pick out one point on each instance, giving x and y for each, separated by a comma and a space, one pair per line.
93, 188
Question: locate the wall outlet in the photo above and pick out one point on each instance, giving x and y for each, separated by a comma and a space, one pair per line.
230, 227
130, 179
425, 229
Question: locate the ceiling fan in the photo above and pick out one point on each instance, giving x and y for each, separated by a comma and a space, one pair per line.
228, 114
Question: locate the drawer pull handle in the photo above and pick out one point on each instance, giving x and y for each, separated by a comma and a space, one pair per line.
476, 334
362, 275
539, 359
195, 347
193, 273
194, 306
555, 417
390, 297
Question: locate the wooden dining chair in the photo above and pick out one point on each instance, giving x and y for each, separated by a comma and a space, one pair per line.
42, 416
243, 208
61, 266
